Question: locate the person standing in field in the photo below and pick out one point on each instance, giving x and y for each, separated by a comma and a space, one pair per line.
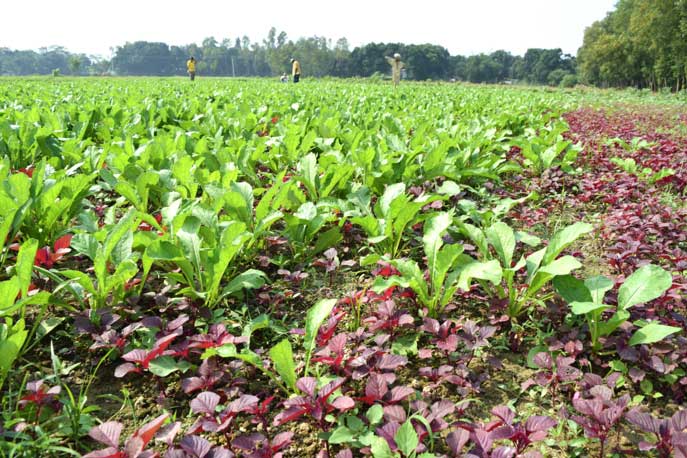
191, 68
295, 70
396, 67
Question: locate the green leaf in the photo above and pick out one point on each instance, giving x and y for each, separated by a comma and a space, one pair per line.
313, 320
490, 270
9, 290
12, 338
563, 238
24, 267
406, 438
341, 435
405, 345
582, 308
645, 284
598, 286
527, 239
282, 357
85, 244
375, 414
571, 289
502, 238
477, 237
380, 448
327, 240
651, 333
250, 279
163, 366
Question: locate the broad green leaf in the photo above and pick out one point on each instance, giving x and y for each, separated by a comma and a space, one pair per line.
313, 320
406, 438
644, 285
561, 266
163, 366
284, 364
564, 238
582, 308
490, 271
527, 239
85, 244
380, 448
651, 333
390, 194
9, 290
533, 261
232, 241
306, 212
618, 318
375, 414
24, 267
502, 238
11, 343
327, 240
433, 231
123, 273
250, 279
477, 237
572, 289
341, 435
598, 286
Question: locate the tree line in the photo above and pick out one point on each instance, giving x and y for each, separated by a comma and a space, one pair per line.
642, 43
319, 56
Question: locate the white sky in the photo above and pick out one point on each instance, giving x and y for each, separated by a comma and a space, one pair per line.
463, 26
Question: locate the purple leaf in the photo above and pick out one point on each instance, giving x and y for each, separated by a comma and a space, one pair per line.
399, 393
391, 362
108, 433
643, 420
376, 388
168, 433
197, 446
457, 439
395, 413
504, 413
109, 452
539, 423
503, 452
245, 403
282, 440
248, 442
124, 369
543, 360
206, 402
679, 420
307, 385
343, 403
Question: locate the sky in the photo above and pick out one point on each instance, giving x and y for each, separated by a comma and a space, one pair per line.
464, 27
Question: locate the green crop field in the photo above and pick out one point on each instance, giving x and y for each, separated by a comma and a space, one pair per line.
339, 269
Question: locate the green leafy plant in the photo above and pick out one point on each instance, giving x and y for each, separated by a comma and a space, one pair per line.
547, 148
448, 269
109, 249
586, 298
392, 214
542, 266
284, 373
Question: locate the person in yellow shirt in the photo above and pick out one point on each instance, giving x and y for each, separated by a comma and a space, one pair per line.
295, 70
396, 67
191, 68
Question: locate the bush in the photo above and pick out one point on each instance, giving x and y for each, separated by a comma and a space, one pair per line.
569, 80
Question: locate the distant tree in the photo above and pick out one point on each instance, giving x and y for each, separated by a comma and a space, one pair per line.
74, 64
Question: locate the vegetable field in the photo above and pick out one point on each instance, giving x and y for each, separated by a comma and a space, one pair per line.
340, 269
